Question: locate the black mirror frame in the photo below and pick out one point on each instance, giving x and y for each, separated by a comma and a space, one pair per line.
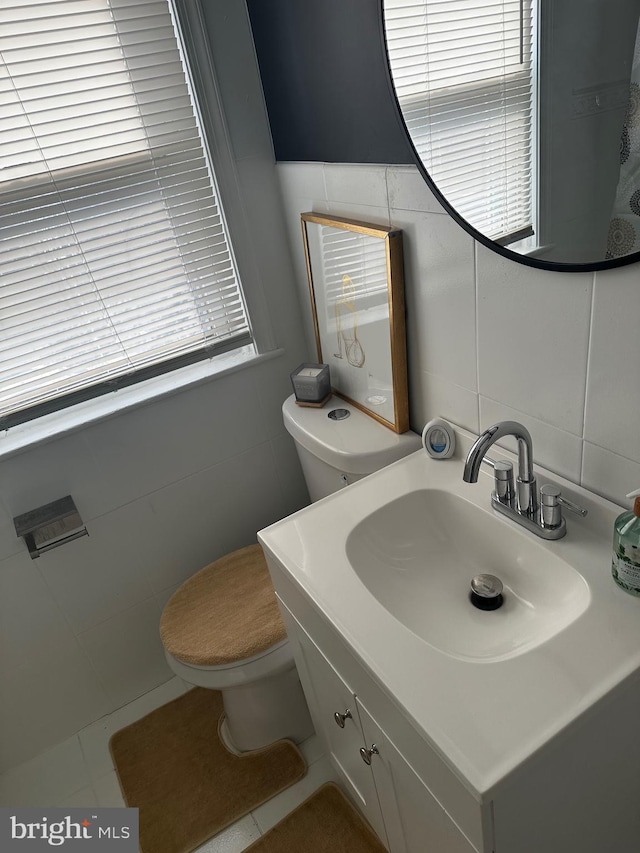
537, 263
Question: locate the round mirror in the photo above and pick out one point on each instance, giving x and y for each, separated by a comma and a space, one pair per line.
524, 116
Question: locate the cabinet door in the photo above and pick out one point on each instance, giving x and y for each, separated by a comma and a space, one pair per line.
328, 695
415, 821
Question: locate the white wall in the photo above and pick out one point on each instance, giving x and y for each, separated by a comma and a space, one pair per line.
489, 339
164, 488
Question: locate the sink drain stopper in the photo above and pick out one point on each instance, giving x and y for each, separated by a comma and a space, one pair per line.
486, 592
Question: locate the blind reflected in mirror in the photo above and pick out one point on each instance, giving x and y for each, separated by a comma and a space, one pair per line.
523, 118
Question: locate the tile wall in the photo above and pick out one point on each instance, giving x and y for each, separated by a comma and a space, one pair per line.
164, 490
490, 339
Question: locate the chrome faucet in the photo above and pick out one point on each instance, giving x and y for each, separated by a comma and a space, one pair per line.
520, 504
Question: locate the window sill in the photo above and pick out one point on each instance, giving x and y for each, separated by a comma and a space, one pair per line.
49, 427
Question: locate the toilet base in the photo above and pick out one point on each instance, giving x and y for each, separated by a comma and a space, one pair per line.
259, 713
225, 737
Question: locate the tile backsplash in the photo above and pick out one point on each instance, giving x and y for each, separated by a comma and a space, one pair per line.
490, 339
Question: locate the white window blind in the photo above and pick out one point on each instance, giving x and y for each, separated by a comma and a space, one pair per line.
463, 73
114, 256
358, 257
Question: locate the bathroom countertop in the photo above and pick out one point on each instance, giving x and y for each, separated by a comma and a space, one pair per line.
483, 716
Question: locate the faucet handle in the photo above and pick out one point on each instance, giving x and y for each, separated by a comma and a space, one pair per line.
576, 508
503, 481
551, 503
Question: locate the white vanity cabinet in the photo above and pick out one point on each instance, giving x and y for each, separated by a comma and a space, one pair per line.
382, 783
334, 710
515, 734
414, 820
578, 794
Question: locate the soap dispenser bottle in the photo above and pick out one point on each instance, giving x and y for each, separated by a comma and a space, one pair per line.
625, 566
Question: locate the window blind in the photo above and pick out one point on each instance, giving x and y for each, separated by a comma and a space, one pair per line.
115, 257
354, 262
463, 74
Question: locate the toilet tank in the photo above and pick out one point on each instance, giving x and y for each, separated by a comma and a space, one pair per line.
337, 449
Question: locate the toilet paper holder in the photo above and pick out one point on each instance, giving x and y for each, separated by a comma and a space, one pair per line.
49, 526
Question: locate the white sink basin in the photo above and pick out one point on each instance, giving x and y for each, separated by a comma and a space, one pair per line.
417, 554
387, 564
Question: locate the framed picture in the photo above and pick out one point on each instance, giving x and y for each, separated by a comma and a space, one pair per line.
357, 298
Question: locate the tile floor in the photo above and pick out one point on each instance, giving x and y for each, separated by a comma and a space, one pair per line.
79, 772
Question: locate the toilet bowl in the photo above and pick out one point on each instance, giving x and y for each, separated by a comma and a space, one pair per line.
262, 698
222, 628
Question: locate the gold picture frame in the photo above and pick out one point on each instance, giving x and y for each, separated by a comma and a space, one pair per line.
356, 284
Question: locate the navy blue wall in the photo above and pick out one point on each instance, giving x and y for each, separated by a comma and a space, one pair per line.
323, 69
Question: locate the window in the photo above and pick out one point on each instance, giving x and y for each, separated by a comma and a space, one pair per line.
463, 72
115, 263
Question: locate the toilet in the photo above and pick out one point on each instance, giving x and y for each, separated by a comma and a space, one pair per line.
222, 628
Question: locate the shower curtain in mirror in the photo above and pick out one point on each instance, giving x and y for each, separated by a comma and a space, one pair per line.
624, 228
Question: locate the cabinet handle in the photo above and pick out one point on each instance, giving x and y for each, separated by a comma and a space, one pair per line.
365, 754
340, 718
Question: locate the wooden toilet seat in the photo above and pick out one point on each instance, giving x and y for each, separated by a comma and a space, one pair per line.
225, 613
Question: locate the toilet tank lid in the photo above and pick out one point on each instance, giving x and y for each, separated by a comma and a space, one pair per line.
358, 444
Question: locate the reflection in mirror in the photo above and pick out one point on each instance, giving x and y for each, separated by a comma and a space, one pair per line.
525, 115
